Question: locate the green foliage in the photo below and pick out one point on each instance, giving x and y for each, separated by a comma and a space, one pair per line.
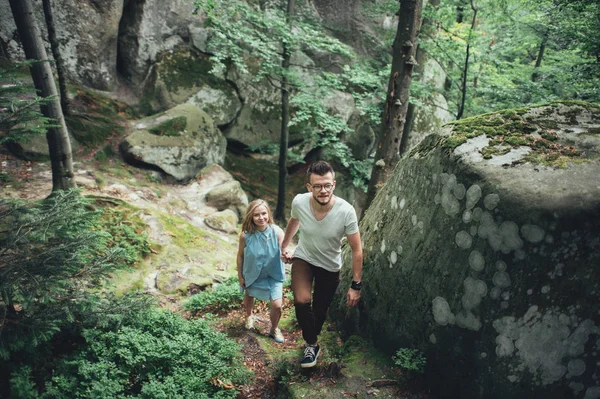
20, 116
250, 38
505, 46
22, 385
410, 359
53, 252
172, 127
265, 147
220, 298
50, 256
126, 231
156, 354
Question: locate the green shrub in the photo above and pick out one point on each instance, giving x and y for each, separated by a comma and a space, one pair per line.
157, 354
410, 359
52, 255
220, 298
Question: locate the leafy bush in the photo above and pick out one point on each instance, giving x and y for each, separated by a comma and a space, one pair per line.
157, 354
410, 359
220, 298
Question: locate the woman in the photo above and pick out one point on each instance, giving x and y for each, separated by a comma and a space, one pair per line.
260, 269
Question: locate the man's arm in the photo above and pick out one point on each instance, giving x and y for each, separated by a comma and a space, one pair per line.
290, 232
357, 263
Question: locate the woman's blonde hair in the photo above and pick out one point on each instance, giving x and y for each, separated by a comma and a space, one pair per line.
248, 225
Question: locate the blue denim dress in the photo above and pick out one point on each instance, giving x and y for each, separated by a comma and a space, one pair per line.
263, 269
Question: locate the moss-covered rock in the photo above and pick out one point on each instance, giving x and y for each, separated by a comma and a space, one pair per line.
182, 75
486, 260
228, 195
184, 151
223, 221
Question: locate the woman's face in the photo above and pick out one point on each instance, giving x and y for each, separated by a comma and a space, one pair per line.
260, 217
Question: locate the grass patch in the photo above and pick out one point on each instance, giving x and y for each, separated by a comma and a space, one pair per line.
172, 127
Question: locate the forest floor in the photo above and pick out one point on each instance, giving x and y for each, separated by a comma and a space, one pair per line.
346, 369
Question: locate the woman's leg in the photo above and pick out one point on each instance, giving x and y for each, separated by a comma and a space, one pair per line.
275, 312
248, 303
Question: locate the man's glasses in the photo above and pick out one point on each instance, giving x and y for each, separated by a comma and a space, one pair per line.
318, 187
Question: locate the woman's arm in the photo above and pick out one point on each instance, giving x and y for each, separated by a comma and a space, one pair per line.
240, 259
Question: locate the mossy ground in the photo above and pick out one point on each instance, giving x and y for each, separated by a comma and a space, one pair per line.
351, 368
513, 128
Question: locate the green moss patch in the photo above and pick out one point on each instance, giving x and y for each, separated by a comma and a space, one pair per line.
510, 129
172, 127
184, 69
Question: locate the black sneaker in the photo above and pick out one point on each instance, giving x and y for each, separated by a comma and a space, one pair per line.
311, 353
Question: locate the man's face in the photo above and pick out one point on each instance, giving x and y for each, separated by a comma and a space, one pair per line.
321, 187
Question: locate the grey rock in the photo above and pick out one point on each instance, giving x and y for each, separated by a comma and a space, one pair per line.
519, 292
182, 156
224, 221
228, 195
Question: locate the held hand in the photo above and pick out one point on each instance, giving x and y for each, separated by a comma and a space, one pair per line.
352, 297
286, 256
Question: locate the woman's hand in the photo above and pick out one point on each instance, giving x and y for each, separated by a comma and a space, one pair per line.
286, 256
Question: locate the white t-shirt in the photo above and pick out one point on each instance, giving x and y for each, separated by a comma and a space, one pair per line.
320, 241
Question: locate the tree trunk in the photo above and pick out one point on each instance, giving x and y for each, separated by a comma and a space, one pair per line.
540, 57
396, 104
59, 145
421, 54
285, 118
461, 108
60, 66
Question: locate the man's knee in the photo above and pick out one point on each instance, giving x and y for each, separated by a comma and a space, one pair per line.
299, 303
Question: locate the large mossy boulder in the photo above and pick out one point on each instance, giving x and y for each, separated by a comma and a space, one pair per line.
179, 142
483, 252
182, 75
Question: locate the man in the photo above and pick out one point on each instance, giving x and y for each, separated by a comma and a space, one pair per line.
323, 220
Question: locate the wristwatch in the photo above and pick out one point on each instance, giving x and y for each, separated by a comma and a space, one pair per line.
356, 285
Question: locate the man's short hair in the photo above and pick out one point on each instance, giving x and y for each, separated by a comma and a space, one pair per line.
320, 168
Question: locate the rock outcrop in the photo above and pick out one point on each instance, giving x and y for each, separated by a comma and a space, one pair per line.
179, 142
482, 251
87, 32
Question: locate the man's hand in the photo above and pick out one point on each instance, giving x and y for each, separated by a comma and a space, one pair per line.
286, 256
352, 297
242, 281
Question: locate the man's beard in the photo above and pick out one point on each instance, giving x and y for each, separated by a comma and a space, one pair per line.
318, 200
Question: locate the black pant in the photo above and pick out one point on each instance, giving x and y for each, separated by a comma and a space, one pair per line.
311, 316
